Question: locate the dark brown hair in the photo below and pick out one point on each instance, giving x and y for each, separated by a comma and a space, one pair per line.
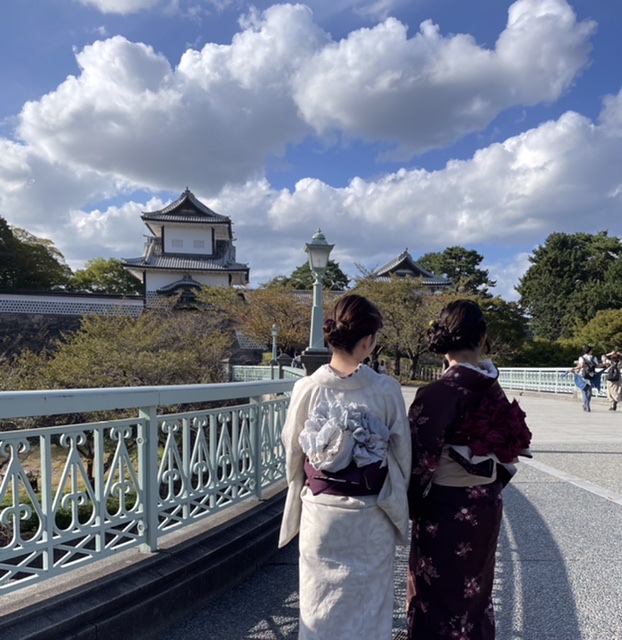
460, 325
353, 318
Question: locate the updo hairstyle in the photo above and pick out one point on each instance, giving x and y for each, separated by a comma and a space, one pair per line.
353, 318
460, 326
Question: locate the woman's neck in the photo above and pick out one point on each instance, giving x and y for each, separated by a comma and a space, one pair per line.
467, 356
344, 363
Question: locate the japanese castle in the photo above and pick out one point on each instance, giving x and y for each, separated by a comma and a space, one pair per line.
190, 246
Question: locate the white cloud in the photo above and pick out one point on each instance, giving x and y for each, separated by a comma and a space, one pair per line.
562, 174
215, 117
123, 7
426, 91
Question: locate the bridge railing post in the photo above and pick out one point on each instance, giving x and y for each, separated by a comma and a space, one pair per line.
255, 419
148, 473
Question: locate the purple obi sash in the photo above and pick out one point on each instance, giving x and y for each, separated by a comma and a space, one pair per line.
351, 481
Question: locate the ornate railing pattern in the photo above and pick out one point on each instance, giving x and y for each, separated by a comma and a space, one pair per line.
73, 494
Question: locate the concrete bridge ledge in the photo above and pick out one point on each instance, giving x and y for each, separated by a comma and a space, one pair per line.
135, 595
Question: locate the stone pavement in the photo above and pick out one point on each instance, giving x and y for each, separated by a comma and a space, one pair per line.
559, 561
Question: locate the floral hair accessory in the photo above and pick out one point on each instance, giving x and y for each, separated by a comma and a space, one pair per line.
335, 435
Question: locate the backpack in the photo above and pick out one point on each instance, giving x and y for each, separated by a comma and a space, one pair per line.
589, 368
613, 373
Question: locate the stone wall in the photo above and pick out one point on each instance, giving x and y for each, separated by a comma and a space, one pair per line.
19, 331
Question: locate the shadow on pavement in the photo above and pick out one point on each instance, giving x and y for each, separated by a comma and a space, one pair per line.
533, 595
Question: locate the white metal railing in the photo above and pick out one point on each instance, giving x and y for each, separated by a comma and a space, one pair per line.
246, 373
72, 494
545, 380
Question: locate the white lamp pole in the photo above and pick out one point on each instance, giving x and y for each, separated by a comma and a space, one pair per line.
275, 333
319, 251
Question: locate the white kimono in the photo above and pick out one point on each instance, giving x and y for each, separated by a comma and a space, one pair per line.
347, 544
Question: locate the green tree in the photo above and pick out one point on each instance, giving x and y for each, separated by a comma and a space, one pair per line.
461, 266
333, 278
160, 347
28, 262
255, 312
603, 332
105, 276
407, 309
507, 328
571, 277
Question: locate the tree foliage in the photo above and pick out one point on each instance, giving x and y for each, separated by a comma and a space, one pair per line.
158, 348
571, 277
507, 327
407, 308
255, 312
105, 276
461, 266
28, 262
603, 332
333, 278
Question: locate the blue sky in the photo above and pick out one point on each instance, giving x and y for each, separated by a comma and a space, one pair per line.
390, 124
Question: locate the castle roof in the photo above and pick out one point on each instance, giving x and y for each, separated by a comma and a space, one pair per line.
187, 209
404, 265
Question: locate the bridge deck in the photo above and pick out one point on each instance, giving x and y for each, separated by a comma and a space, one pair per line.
559, 562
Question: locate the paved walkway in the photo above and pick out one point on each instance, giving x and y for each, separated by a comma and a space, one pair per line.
559, 562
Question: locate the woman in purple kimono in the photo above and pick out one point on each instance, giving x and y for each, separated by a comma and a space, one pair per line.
465, 437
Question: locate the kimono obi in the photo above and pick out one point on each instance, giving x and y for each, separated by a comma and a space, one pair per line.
455, 470
351, 481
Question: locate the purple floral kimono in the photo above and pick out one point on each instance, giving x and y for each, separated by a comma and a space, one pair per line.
455, 528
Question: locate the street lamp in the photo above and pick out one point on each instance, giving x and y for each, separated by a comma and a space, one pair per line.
274, 361
319, 251
275, 333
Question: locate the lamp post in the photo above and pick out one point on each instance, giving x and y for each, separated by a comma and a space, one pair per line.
317, 354
275, 333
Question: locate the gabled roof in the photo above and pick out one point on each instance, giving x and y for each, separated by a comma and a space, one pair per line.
405, 265
186, 282
187, 208
183, 262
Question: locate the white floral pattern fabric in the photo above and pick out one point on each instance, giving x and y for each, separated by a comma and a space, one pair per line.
337, 434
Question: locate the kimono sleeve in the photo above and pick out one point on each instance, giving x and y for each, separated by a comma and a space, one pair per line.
430, 415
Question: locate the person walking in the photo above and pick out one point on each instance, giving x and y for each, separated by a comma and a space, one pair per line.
586, 376
613, 378
348, 454
466, 435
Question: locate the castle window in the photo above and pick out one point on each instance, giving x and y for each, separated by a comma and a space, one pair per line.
199, 244
177, 243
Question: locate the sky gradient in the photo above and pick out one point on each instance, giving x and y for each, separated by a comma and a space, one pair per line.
390, 124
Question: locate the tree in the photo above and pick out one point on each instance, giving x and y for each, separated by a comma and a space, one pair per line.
105, 276
333, 278
571, 277
407, 308
461, 266
28, 262
255, 312
160, 347
603, 332
507, 328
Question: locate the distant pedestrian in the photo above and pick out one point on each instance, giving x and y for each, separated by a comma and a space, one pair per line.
613, 378
587, 376
382, 367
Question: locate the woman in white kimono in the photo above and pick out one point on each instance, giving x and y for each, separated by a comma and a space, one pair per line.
348, 453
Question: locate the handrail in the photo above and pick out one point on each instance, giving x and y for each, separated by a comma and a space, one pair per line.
73, 494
